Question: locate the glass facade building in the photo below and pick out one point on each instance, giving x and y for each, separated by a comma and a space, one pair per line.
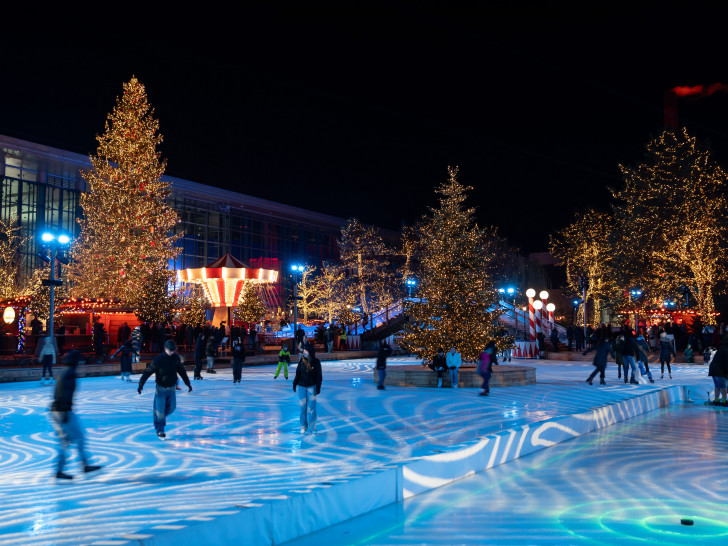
41, 187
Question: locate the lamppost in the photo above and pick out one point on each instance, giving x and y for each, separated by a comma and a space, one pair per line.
531, 293
53, 240
296, 270
584, 286
411, 283
544, 296
576, 306
551, 308
636, 293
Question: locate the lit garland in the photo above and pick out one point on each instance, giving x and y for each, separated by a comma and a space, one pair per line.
21, 328
127, 225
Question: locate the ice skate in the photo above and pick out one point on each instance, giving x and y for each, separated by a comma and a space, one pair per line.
589, 381
602, 382
91, 468
211, 371
60, 475
161, 435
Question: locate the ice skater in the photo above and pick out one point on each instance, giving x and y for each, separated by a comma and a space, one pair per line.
126, 351
384, 351
453, 364
602, 348
309, 378
238, 351
210, 348
284, 359
65, 422
485, 368
199, 355
166, 367
46, 353
718, 370
666, 351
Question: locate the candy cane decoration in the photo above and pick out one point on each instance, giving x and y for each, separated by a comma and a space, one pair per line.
531, 325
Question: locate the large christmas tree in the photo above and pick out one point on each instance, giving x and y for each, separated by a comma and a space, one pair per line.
126, 228
456, 293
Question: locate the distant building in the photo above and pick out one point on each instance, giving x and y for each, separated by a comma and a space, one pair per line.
41, 186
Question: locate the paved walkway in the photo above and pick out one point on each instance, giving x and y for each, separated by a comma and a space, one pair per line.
229, 445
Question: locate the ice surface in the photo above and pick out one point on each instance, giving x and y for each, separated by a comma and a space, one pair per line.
230, 445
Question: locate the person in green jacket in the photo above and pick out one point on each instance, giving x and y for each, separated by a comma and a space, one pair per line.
689, 354
284, 359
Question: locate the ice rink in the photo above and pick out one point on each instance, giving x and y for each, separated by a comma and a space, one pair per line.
235, 446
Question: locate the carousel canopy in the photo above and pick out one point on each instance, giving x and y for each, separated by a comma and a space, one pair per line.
224, 278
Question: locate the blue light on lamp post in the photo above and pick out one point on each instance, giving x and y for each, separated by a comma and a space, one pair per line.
54, 240
411, 283
296, 268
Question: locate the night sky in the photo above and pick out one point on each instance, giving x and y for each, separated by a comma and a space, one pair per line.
358, 108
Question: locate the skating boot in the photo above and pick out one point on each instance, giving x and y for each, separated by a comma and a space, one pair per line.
589, 381
602, 382
211, 371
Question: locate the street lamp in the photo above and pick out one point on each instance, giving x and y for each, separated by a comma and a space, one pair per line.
411, 283
54, 240
296, 268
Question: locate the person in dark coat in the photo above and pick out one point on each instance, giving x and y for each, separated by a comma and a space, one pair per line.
570, 337
488, 358
199, 354
555, 340
126, 351
123, 334
309, 378
166, 367
439, 365
384, 351
238, 351
666, 351
99, 340
253, 335
718, 370
602, 348
210, 348
64, 421
61, 338
629, 351
146, 331
541, 342
190, 337
579, 338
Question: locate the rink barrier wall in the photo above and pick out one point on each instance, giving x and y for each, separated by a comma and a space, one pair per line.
278, 519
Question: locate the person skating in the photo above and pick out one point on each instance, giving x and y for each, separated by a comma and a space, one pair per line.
238, 351
602, 348
666, 351
439, 365
309, 378
199, 355
166, 367
485, 368
126, 351
718, 370
284, 359
46, 353
210, 348
453, 364
65, 422
384, 351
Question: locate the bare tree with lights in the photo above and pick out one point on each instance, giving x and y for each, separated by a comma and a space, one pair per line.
364, 254
330, 287
458, 298
126, 228
671, 213
308, 292
10, 242
585, 247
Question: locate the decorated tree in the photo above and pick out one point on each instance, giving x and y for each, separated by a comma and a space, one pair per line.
330, 288
458, 298
585, 247
10, 242
308, 292
671, 219
155, 303
126, 228
40, 295
196, 305
364, 254
251, 308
